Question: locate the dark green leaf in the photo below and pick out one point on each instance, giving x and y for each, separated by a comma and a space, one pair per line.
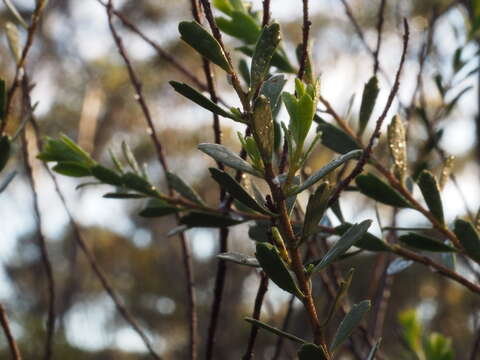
316, 207
345, 242
106, 175
369, 98
241, 26
183, 188
5, 145
349, 323
135, 182
274, 330
431, 193
272, 88
73, 169
367, 242
426, 243
279, 60
327, 169
334, 138
310, 352
468, 237
239, 259
120, 195
262, 55
373, 187
263, 130
158, 208
224, 155
61, 150
198, 219
195, 96
244, 71
205, 44
276, 269
229, 184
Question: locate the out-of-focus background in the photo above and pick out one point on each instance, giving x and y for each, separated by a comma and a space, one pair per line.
82, 89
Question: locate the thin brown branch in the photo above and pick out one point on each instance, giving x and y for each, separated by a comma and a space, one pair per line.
376, 133
187, 262
380, 21
20, 65
476, 346
262, 289
12, 344
305, 38
266, 13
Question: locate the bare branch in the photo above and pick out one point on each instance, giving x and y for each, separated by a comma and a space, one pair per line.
306, 34
14, 350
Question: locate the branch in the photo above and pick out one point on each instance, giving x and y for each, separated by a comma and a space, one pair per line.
14, 350
306, 34
380, 17
266, 13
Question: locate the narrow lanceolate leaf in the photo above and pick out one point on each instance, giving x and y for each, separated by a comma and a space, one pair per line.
232, 186
199, 99
311, 352
373, 351
426, 243
262, 55
15, 13
369, 98
158, 208
349, 323
367, 242
224, 155
316, 207
106, 175
198, 219
276, 269
72, 169
431, 193
123, 195
14, 41
205, 44
468, 237
183, 188
398, 147
345, 242
5, 145
334, 138
274, 330
263, 129
342, 291
327, 169
137, 183
240, 25
373, 187
272, 88
239, 259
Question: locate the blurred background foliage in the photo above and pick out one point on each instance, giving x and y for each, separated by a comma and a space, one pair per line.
83, 91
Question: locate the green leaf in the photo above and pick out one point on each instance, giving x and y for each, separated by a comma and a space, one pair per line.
195, 96
301, 111
106, 175
431, 193
73, 169
63, 150
468, 237
15, 13
438, 347
224, 6
272, 88
137, 183
311, 352
276, 269
367, 242
279, 60
225, 156
345, 242
184, 189
369, 98
263, 129
316, 207
13, 38
158, 208
198, 219
327, 169
241, 26
239, 259
397, 144
205, 44
426, 243
262, 55
349, 323
244, 71
229, 184
274, 330
122, 195
335, 139
5, 147
373, 187
412, 330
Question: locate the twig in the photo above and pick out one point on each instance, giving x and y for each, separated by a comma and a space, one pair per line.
305, 34
476, 346
380, 18
266, 13
42, 244
19, 70
376, 133
14, 350
262, 289
187, 262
